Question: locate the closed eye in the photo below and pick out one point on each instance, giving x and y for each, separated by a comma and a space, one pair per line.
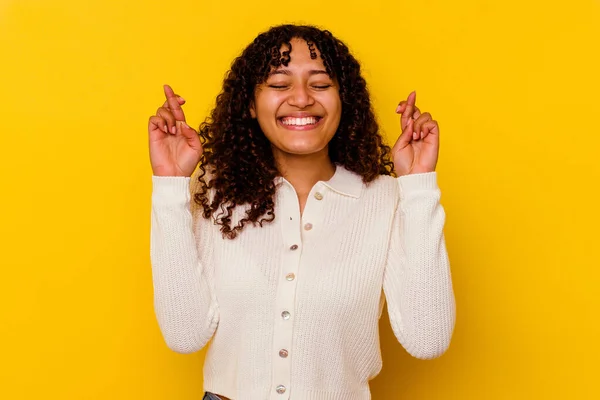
314, 86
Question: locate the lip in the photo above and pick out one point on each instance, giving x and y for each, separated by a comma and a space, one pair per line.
297, 127
300, 114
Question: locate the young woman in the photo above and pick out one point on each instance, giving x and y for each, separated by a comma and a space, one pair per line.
281, 227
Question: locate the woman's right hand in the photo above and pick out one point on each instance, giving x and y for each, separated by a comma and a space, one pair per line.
175, 148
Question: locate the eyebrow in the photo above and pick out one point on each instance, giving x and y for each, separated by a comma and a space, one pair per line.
288, 72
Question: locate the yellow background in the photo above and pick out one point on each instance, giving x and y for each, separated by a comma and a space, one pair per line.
513, 84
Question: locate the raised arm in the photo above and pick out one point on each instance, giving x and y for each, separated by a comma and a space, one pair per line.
184, 300
417, 280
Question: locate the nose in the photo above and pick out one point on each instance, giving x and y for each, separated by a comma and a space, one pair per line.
300, 97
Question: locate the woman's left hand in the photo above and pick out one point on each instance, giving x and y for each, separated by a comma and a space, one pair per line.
416, 150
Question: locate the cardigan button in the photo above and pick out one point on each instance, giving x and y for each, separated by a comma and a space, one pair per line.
308, 226
283, 353
294, 247
318, 196
286, 315
281, 389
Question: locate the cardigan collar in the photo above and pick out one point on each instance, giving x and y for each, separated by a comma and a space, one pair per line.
343, 182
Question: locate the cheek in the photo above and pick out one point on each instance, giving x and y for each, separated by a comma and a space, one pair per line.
266, 110
334, 108
267, 106
332, 102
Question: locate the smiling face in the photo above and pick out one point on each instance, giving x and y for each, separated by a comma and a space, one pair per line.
298, 107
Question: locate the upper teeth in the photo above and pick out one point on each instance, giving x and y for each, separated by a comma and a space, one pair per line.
299, 121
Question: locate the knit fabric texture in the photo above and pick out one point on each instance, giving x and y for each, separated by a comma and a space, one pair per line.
291, 309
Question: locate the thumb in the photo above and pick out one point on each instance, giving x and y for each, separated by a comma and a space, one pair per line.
185, 130
406, 136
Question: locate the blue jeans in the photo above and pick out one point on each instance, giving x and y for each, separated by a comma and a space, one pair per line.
210, 396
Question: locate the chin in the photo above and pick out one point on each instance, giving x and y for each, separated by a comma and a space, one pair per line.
302, 149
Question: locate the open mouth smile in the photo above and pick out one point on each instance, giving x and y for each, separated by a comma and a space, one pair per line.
300, 124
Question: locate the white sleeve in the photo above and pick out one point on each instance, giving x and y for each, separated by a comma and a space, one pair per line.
184, 298
417, 279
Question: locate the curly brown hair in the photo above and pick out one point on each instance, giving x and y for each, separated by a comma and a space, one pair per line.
239, 157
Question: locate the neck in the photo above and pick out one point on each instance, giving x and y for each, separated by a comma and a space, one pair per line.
303, 171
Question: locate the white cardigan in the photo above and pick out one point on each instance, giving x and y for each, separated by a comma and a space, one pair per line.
292, 307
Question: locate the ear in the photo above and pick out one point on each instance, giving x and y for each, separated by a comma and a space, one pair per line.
252, 110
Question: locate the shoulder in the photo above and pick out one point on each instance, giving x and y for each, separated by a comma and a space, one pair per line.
382, 193
383, 185
351, 184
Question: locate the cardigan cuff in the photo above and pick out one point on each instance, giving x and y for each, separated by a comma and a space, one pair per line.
170, 189
423, 181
